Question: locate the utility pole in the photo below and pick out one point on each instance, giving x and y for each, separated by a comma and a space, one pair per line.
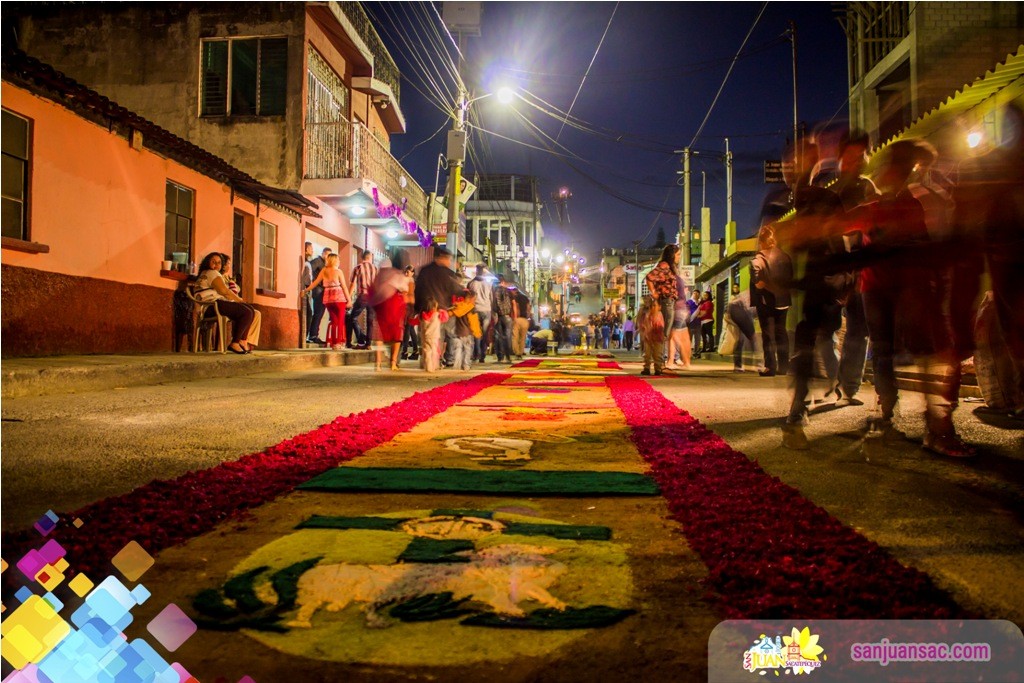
728, 183
687, 225
536, 247
636, 264
796, 132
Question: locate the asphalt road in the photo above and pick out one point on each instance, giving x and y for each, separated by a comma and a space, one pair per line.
961, 522
63, 452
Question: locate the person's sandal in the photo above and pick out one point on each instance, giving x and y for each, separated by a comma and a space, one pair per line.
240, 352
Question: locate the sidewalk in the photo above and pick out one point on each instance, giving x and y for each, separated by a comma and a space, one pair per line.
74, 374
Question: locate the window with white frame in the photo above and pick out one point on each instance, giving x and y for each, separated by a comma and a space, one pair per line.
15, 143
243, 77
268, 256
178, 218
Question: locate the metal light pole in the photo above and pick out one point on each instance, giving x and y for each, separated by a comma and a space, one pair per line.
456, 155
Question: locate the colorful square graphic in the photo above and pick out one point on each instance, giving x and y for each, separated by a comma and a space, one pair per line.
49, 577
172, 627
31, 632
132, 561
46, 523
80, 585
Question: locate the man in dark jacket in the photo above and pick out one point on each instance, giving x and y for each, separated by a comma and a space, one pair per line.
316, 265
436, 282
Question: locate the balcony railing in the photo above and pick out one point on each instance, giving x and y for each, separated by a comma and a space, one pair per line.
341, 149
384, 68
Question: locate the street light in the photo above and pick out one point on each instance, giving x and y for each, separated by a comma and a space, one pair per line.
546, 253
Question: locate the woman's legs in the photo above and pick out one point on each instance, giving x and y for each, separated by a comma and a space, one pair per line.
336, 327
241, 315
396, 352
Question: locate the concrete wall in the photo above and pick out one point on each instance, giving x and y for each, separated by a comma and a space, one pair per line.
99, 206
957, 42
146, 57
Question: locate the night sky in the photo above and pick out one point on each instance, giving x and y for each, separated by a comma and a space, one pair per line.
650, 87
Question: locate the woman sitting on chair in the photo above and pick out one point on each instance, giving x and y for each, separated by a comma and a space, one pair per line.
252, 340
210, 286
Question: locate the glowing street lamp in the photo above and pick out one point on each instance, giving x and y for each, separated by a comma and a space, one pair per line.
974, 139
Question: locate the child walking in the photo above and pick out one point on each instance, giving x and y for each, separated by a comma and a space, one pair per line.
430, 336
651, 324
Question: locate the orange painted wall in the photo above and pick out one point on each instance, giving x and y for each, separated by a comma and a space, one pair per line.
99, 205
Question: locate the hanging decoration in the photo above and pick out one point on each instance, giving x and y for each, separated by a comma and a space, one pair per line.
424, 237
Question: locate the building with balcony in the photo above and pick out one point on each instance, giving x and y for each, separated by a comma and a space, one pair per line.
503, 221
908, 58
301, 96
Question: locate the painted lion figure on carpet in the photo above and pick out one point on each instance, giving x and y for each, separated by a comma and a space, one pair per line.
501, 577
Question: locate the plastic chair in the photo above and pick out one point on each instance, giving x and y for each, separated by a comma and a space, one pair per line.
207, 319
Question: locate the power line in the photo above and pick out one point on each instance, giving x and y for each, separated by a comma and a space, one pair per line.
592, 60
727, 73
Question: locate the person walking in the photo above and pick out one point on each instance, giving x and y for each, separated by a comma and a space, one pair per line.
389, 295
663, 286
410, 340
483, 295
651, 324
741, 323
628, 329
521, 323
437, 282
771, 276
504, 308
363, 276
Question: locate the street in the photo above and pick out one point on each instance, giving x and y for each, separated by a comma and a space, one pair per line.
649, 584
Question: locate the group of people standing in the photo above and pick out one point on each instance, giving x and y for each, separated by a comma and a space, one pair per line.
433, 316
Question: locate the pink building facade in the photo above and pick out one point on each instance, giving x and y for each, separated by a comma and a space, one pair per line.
86, 273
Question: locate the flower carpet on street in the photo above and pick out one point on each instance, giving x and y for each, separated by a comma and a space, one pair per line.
562, 518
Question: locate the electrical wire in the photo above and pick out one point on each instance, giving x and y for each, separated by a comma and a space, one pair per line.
590, 66
727, 74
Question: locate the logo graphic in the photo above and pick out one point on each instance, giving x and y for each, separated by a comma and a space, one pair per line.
796, 653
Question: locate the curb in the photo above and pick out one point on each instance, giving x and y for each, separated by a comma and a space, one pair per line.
47, 376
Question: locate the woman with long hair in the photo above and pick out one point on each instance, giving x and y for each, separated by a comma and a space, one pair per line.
210, 286
336, 299
663, 284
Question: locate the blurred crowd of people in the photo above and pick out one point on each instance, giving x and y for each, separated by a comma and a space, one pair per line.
900, 252
435, 316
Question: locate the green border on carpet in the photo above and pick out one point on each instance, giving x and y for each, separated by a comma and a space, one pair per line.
568, 531
519, 482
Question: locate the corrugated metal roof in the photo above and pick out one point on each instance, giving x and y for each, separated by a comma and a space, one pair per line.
1009, 74
42, 79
